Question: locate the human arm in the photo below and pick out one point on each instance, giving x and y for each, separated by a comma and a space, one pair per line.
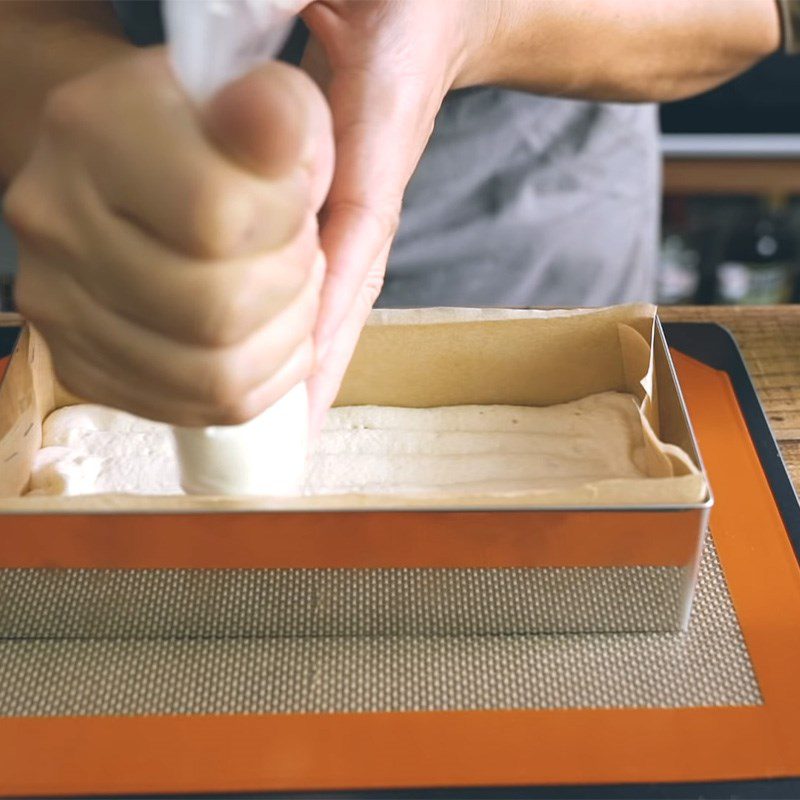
386, 67
619, 50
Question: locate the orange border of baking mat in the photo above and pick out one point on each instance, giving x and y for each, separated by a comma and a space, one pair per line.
104, 755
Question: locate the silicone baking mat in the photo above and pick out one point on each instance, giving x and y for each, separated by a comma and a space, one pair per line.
707, 667
222, 715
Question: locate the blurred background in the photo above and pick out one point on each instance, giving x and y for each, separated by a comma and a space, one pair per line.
731, 206
731, 210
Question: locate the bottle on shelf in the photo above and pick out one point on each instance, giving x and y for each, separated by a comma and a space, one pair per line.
759, 263
679, 258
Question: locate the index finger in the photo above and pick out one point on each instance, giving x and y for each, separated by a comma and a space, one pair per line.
375, 128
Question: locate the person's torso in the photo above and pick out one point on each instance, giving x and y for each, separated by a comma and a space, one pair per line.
525, 200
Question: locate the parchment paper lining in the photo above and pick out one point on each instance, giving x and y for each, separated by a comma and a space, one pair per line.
422, 358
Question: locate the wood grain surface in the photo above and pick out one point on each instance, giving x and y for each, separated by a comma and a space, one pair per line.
769, 337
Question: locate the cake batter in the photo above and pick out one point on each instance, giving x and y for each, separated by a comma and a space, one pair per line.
474, 450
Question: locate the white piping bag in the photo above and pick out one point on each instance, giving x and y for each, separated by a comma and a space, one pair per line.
211, 43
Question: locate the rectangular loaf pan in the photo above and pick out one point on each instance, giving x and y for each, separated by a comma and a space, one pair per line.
606, 558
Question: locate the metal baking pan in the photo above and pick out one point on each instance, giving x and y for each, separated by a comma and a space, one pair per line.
155, 571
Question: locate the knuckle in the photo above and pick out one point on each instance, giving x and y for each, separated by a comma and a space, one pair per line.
247, 404
222, 385
36, 214
223, 319
218, 216
19, 208
217, 337
235, 414
291, 269
65, 108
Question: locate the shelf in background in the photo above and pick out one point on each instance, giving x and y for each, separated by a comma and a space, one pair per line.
746, 175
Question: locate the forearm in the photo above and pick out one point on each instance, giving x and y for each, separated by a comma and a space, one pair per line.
625, 50
44, 43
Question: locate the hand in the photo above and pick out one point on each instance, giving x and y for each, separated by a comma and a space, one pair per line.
170, 256
385, 67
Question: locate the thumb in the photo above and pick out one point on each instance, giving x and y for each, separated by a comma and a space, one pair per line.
274, 122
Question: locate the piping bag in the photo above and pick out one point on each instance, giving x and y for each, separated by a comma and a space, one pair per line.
212, 42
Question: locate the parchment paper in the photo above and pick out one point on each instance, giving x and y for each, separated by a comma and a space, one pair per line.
423, 358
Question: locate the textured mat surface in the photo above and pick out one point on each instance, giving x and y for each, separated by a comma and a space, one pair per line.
257, 603
708, 666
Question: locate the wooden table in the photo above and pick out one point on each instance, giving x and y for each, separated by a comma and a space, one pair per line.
769, 337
